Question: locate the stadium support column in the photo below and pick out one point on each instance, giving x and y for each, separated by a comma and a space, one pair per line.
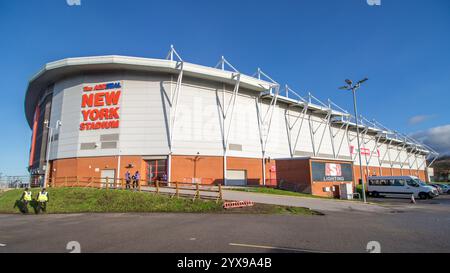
431, 157
290, 126
265, 120
173, 103
226, 110
343, 127
398, 155
380, 162
325, 121
48, 148
407, 159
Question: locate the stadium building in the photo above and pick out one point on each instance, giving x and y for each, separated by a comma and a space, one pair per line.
177, 121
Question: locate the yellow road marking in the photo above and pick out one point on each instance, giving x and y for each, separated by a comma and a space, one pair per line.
276, 248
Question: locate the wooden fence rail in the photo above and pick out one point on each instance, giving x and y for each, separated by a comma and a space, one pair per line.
174, 189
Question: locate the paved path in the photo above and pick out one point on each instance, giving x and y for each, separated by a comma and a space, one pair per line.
317, 204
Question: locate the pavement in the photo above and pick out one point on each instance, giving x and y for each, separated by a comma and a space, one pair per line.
318, 204
400, 227
440, 203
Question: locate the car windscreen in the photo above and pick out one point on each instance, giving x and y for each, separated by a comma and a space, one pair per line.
420, 182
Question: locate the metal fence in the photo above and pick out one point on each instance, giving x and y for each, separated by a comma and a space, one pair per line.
19, 181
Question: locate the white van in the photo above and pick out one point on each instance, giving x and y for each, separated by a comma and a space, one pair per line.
396, 186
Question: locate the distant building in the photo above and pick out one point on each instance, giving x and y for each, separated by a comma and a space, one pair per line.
442, 169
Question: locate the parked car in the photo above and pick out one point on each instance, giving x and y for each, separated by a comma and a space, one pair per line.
443, 188
396, 186
438, 188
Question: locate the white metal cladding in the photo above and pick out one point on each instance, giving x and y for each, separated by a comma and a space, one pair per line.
171, 106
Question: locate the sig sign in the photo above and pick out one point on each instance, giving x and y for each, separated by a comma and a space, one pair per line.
99, 106
331, 172
333, 169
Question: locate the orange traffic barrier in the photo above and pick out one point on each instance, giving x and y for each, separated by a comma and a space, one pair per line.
238, 204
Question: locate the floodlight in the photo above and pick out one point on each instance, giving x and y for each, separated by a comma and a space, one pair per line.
363, 80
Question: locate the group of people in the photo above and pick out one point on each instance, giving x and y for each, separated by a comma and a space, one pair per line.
132, 179
41, 200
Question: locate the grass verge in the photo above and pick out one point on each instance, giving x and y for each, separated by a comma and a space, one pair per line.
89, 200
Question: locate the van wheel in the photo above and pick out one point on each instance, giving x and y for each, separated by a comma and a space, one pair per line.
375, 194
423, 195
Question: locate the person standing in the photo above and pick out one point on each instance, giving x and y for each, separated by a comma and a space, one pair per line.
127, 179
137, 177
26, 198
42, 199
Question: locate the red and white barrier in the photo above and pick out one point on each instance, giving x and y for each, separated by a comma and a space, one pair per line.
237, 204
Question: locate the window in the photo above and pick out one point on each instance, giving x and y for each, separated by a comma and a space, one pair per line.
377, 182
420, 182
156, 170
386, 182
411, 183
399, 182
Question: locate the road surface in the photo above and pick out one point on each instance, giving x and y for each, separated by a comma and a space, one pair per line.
401, 227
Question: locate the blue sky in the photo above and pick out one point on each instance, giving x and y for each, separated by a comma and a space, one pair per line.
403, 46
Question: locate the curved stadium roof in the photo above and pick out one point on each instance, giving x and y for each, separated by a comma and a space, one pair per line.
57, 70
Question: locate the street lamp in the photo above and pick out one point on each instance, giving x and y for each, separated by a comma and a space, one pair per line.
353, 88
49, 140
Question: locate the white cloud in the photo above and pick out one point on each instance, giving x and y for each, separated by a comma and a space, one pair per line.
419, 119
73, 2
437, 138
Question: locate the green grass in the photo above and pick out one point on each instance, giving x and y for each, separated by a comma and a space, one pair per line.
276, 191
445, 183
76, 200
89, 200
359, 189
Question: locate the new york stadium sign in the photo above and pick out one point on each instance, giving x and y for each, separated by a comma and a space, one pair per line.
99, 106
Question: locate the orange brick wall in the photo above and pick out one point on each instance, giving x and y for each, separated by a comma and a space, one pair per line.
253, 167
210, 168
294, 174
85, 167
386, 172
297, 173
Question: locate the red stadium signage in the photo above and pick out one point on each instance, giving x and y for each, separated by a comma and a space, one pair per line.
99, 106
364, 151
333, 169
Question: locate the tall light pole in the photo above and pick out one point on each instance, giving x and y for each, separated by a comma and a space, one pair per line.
49, 143
353, 88
195, 160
